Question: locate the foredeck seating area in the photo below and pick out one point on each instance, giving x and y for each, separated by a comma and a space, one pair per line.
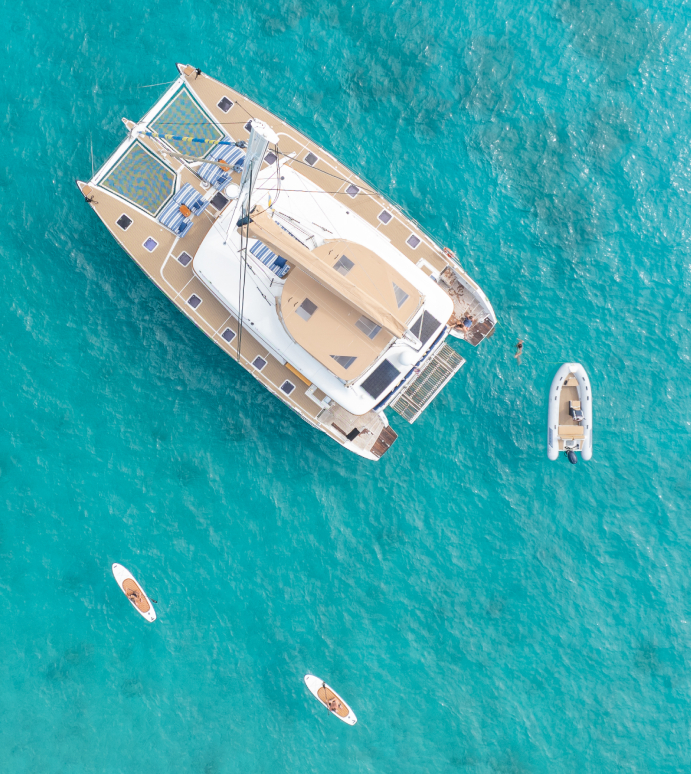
276, 263
177, 214
216, 176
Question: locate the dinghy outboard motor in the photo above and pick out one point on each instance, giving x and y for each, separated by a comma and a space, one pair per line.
571, 456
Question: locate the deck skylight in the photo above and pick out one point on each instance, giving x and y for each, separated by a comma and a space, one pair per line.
306, 309
343, 265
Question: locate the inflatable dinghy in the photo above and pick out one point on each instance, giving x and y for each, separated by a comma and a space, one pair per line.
570, 414
134, 592
330, 699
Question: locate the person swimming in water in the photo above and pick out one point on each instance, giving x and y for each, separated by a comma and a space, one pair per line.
519, 351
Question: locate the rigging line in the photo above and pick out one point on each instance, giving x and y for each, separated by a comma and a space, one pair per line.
331, 193
201, 123
330, 174
151, 85
243, 267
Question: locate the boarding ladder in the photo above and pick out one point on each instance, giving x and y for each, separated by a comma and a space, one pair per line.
428, 383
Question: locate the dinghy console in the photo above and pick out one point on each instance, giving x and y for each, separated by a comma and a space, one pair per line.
575, 410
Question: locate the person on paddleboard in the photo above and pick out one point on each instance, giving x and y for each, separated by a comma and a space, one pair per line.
334, 704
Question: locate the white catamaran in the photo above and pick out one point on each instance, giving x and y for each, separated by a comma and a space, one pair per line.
313, 281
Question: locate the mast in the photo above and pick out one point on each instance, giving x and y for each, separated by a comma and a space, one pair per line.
260, 137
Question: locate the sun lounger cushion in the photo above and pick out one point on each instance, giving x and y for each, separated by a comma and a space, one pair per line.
276, 263
174, 220
212, 173
189, 196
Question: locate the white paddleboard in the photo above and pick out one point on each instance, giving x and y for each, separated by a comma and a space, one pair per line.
134, 592
324, 694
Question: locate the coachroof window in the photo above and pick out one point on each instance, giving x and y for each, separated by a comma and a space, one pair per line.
306, 309
343, 265
401, 295
369, 328
344, 361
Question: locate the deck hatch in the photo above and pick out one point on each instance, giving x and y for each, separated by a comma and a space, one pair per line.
142, 179
124, 222
352, 190
259, 362
382, 376
425, 326
306, 309
194, 301
219, 201
184, 258
343, 265
385, 216
228, 335
287, 387
225, 104
413, 241
270, 157
311, 159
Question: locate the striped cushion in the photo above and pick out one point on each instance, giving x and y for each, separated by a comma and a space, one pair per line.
174, 220
212, 173
189, 196
276, 263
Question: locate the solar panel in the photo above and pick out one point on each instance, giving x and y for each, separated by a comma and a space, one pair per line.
424, 326
380, 379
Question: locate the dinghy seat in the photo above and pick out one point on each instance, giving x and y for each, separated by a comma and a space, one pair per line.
216, 176
571, 431
575, 410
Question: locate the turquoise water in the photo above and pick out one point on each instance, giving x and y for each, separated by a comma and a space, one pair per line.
483, 609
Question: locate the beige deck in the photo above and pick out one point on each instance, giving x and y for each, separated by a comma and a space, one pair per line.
326, 694
568, 429
179, 283
129, 586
